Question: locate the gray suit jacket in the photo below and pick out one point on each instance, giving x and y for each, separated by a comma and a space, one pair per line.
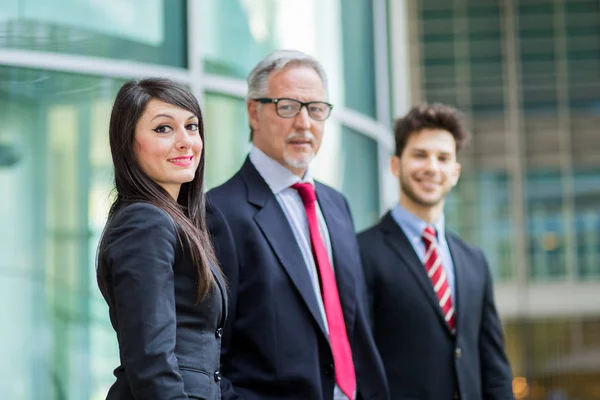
169, 345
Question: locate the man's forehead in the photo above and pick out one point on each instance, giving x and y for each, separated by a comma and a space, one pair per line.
432, 140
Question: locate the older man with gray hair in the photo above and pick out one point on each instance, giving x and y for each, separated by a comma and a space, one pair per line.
296, 327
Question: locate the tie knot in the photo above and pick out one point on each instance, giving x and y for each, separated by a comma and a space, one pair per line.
429, 235
306, 192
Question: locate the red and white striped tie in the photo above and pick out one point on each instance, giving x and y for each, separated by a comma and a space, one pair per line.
437, 274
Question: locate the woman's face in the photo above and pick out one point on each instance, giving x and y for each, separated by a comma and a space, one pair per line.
167, 145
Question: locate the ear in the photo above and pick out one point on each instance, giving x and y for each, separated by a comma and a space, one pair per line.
252, 107
456, 174
395, 166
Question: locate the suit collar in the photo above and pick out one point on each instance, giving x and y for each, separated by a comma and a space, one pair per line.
258, 190
341, 247
461, 262
414, 226
277, 177
222, 287
398, 242
273, 223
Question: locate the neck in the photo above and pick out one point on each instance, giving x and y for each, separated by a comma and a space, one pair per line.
173, 191
300, 172
427, 213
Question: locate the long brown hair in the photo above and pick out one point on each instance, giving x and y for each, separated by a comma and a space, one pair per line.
133, 185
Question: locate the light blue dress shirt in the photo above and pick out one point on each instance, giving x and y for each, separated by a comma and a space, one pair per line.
413, 227
279, 179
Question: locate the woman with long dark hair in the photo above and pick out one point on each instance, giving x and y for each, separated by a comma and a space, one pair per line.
156, 266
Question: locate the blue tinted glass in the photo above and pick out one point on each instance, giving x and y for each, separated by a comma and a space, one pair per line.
360, 177
546, 225
478, 209
149, 31
55, 162
358, 53
226, 137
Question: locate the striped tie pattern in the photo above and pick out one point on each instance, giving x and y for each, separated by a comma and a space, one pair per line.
437, 274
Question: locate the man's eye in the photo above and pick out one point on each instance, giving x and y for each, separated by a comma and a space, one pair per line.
285, 108
163, 129
192, 127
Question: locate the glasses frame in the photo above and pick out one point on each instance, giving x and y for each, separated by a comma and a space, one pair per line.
269, 100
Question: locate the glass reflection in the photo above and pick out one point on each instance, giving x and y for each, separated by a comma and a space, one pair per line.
119, 29
55, 127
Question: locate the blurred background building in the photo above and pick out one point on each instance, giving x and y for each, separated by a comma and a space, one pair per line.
526, 72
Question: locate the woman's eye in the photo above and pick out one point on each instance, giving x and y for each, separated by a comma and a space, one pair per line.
192, 127
163, 129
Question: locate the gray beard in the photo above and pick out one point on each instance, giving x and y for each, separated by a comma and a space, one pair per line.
298, 164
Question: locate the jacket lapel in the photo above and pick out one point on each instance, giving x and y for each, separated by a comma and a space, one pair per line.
461, 277
274, 225
223, 291
396, 239
341, 246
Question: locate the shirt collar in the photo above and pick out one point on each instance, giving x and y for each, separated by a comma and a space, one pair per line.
414, 226
277, 176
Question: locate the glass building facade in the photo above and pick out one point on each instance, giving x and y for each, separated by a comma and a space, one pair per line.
61, 64
527, 74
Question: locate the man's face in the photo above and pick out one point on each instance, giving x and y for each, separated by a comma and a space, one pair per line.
427, 168
293, 142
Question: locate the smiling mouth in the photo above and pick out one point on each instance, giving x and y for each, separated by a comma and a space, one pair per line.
428, 184
181, 161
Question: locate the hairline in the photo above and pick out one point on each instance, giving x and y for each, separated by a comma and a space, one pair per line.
258, 79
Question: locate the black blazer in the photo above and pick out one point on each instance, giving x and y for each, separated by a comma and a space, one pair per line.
422, 358
169, 346
275, 345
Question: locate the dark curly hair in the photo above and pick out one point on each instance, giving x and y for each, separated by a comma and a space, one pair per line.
431, 116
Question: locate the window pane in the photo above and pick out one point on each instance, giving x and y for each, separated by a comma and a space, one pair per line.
151, 31
478, 209
547, 241
360, 177
557, 357
359, 52
587, 214
226, 135
54, 157
235, 35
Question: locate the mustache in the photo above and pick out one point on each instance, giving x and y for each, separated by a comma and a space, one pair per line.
301, 136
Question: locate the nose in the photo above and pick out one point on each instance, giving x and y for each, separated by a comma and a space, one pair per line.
184, 140
432, 163
302, 120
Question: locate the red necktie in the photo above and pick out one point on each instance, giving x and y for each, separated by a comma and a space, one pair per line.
338, 338
437, 274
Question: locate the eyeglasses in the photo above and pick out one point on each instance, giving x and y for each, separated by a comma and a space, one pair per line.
289, 108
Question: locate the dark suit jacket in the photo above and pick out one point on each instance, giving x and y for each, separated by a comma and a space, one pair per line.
169, 346
422, 358
275, 345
